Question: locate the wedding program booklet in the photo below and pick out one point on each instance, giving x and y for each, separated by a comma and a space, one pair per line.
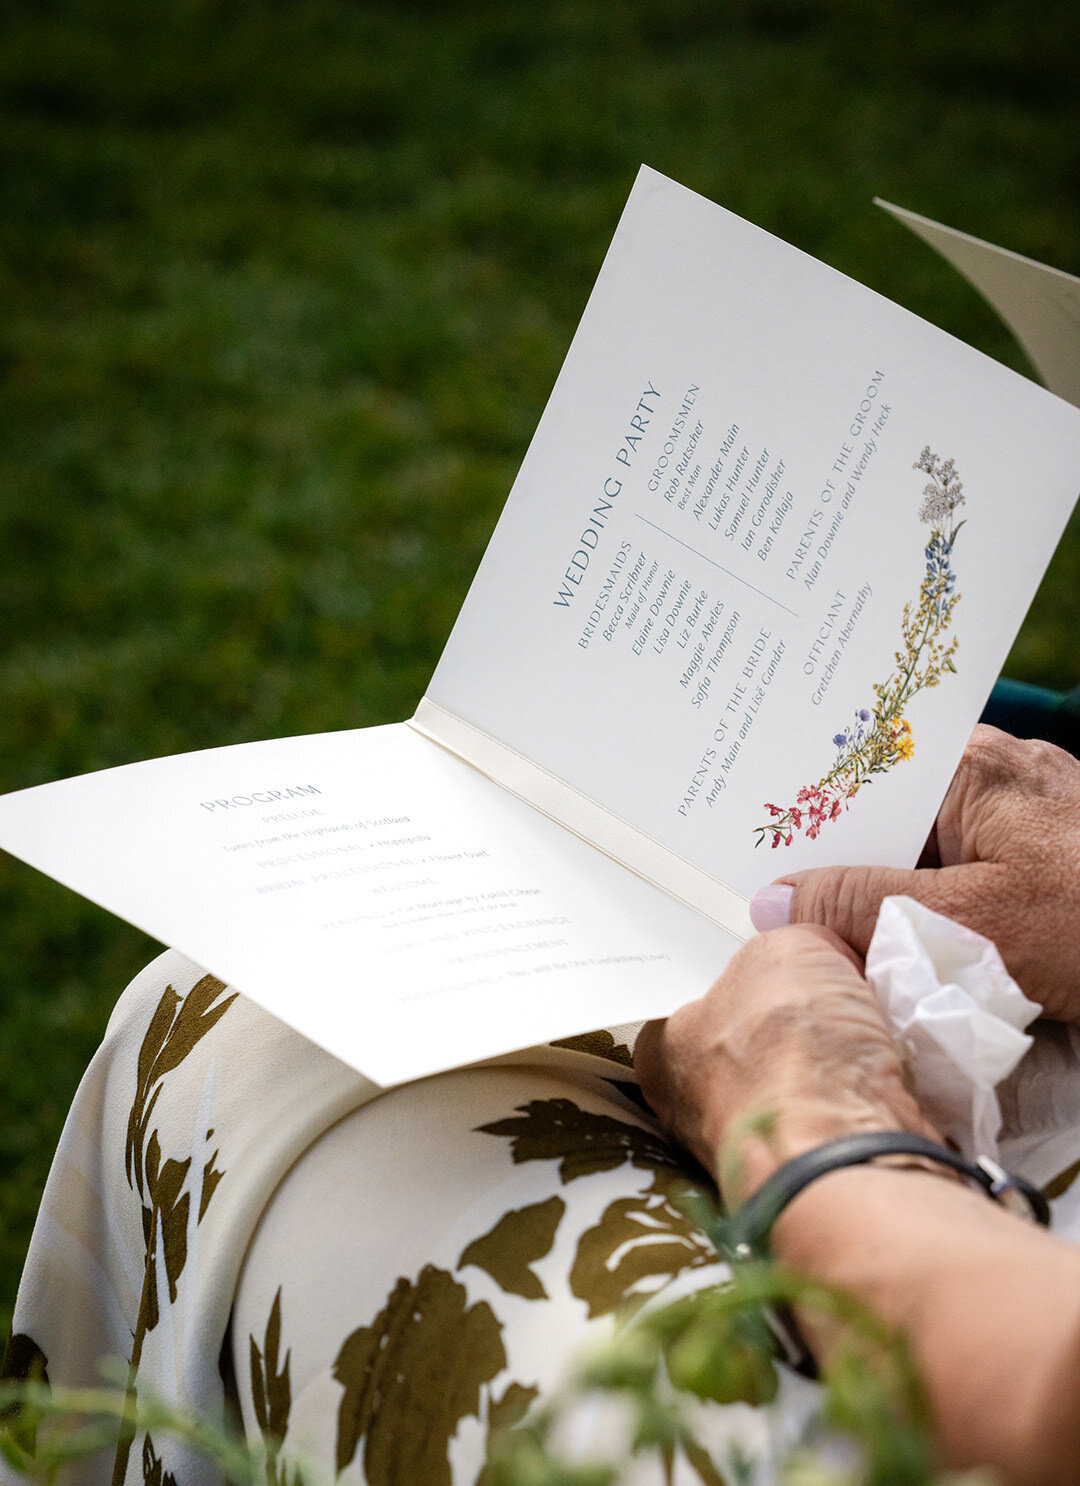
760, 568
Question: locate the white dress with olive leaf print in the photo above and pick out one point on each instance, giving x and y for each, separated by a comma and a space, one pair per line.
369, 1280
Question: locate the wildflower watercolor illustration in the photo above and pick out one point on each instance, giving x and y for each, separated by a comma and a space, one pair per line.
879, 736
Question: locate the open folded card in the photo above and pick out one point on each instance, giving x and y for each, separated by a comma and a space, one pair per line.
763, 561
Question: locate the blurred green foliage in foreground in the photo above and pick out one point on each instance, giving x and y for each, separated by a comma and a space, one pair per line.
286, 283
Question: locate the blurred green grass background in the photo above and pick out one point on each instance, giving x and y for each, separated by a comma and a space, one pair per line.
286, 283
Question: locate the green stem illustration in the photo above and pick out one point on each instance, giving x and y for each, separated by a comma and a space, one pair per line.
880, 737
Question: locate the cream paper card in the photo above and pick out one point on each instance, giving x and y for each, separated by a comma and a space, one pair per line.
373, 891
764, 558
1039, 304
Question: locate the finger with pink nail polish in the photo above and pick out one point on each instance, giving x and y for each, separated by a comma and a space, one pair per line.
770, 907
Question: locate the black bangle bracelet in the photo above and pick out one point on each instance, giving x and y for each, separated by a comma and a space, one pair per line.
745, 1233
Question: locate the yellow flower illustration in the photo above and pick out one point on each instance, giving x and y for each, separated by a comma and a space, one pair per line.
877, 736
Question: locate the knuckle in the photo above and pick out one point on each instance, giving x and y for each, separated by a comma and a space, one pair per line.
965, 899
992, 758
754, 952
840, 900
792, 963
1012, 799
997, 761
849, 902
797, 941
780, 950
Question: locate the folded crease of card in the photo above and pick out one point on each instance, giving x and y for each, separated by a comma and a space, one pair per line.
688, 663
560, 802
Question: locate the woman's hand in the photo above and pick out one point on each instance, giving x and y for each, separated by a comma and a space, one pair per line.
790, 1035
990, 1305
791, 1031
1004, 859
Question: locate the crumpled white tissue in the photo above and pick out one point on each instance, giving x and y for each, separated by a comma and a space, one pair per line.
957, 1015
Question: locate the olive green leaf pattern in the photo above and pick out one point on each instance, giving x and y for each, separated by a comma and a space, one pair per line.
520, 1237
638, 1239
503, 1414
1062, 1182
210, 1178
702, 1462
24, 1362
271, 1392
631, 1092
412, 1376
168, 1211
580, 1140
600, 1044
178, 1024
154, 1474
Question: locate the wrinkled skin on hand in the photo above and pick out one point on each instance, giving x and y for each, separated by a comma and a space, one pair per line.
1004, 859
790, 1031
